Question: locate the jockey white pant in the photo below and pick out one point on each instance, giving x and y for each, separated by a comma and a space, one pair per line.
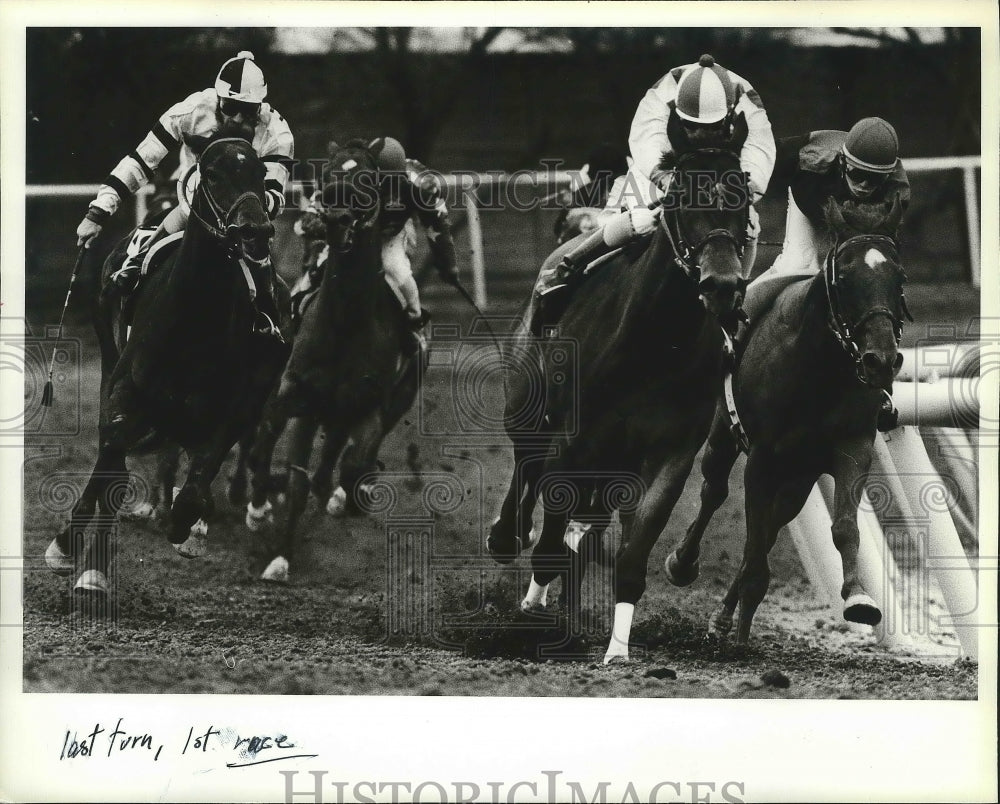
634, 189
801, 249
396, 252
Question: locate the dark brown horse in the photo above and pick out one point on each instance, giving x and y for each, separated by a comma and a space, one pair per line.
195, 370
620, 432
347, 373
811, 381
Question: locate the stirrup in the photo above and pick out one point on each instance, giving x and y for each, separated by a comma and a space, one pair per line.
263, 325
127, 277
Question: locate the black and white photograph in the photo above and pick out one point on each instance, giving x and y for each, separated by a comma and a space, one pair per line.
499, 402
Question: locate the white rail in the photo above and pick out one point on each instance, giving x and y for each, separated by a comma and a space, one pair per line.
465, 182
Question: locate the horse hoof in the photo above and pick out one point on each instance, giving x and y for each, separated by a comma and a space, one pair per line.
860, 608
616, 654
679, 574
277, 571
719, 625
92, 581
503, 548
143, 512
195, 546
336, 506
257, 518
57, 560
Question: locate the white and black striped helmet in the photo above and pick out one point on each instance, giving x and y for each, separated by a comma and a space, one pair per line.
240, 79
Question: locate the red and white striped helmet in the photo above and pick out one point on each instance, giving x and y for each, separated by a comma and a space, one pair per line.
240, 79
705, 93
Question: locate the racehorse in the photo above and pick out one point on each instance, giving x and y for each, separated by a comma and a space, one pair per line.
197, 366
647, 329
813, 374
347, 372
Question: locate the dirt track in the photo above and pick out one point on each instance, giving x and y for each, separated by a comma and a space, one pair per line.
383, 610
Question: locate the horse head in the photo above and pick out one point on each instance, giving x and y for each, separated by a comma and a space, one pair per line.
706, 215
229, 200
864, 280
350, 193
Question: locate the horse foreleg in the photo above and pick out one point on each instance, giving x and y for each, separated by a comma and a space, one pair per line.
360, 458
549, 560
193, 506
321, 484
167, 461
511, 530
644, 529
775, 491
301, 432
851, 464
239, 481
682, 566
259, 456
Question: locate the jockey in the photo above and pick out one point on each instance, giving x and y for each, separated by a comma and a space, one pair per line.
704, 100
604, 164
408, 190
860, 165
235, 103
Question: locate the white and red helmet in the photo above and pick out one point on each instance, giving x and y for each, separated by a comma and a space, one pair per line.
705, 93
240, 79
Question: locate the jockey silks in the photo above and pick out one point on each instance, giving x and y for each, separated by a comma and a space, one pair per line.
648, 139
810, 166
196, 116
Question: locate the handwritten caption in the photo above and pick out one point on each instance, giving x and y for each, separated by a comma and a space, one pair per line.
245, 750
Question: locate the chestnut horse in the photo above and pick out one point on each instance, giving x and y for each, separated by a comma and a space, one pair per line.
814, 373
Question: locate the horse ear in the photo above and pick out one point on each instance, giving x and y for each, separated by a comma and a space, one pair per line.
834, 216
890, 224
741, 130
197, 143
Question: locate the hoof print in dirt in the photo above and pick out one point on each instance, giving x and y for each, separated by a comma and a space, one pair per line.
661, 673
777, 679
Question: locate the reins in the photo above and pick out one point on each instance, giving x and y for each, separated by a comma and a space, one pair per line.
845, 332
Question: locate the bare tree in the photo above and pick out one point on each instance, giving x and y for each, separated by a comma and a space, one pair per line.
956, 62
428, 96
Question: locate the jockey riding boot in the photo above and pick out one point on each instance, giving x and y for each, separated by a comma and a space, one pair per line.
578, 258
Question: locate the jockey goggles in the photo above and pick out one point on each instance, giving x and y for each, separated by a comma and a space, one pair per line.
231, 108
860, 176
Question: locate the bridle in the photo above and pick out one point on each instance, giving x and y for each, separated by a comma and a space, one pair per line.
359, 219
219, 223
845, 332
685, 254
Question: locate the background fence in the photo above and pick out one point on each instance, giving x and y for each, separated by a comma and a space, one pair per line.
502, 245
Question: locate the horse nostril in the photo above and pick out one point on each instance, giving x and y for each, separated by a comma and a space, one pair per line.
871, 362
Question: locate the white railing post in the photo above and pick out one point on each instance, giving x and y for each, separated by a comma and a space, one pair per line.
972, 221
476, 248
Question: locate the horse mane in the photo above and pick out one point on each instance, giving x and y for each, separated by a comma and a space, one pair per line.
228, 130
852, 218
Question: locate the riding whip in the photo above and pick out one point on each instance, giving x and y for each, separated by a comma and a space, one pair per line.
47, 393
